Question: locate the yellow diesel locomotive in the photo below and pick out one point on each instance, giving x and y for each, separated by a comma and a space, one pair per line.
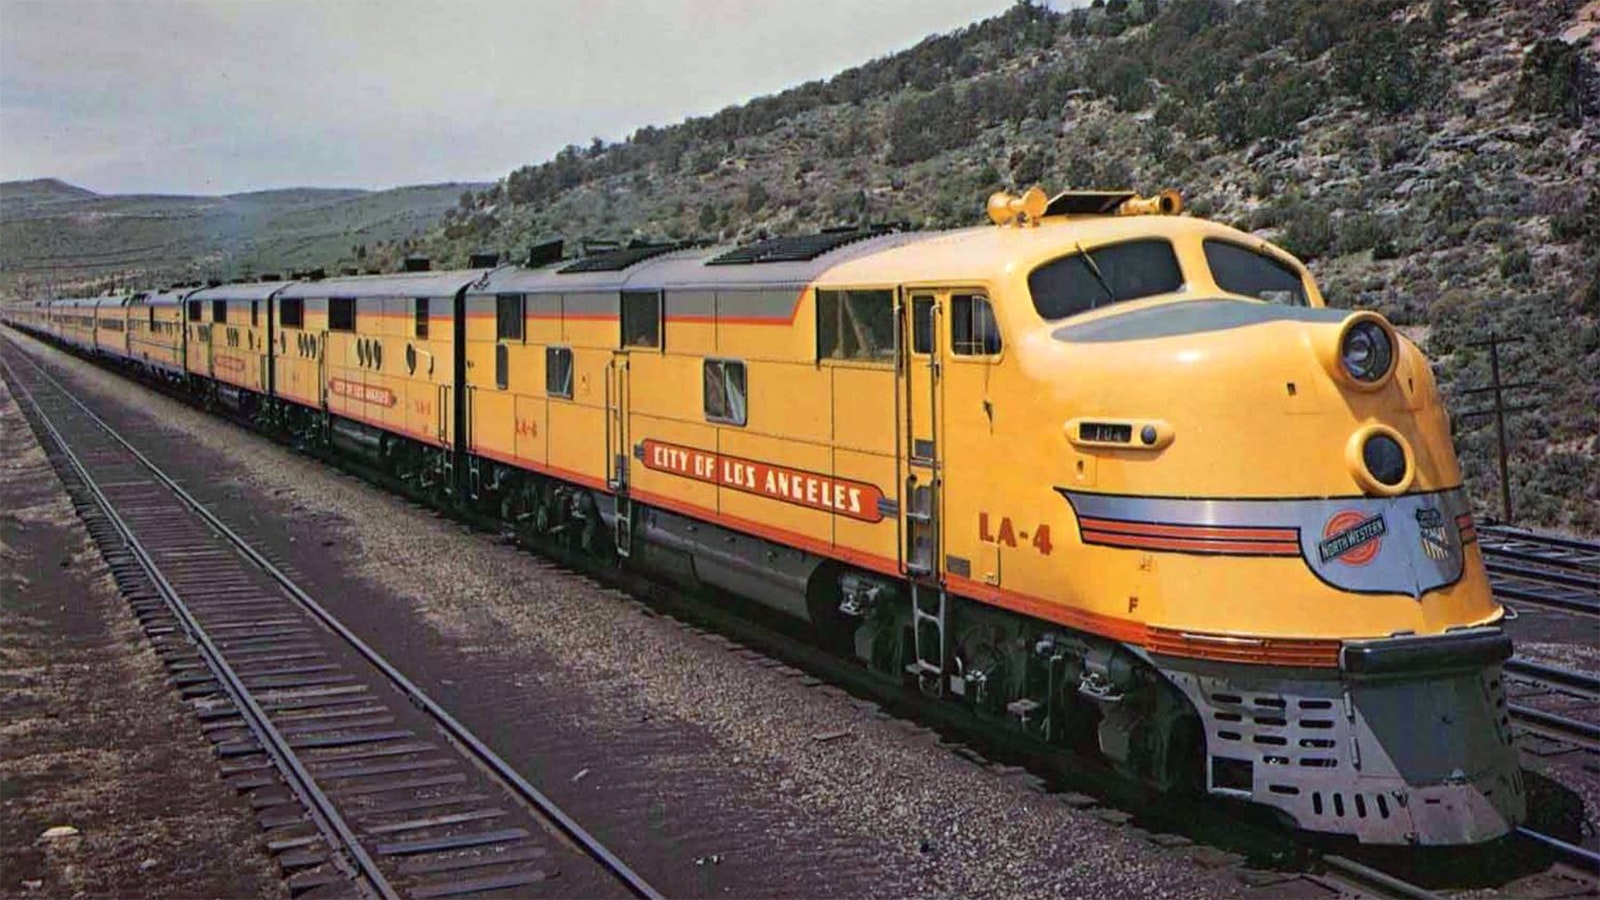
1107, 474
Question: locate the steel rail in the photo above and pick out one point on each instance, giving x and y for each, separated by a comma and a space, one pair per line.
1571, 854
1566, 727
1553, 540
1504, 587
1572, 679
1508, 564
1367, 877
335, 830
483, 754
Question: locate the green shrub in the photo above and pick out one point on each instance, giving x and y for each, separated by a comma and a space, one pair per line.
1308, 232
1552, 80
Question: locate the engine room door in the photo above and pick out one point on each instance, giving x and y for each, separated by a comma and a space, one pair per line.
921, 507
617, 448
919, 403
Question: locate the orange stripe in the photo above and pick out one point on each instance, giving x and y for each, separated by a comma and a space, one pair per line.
783, 536
1246, 649
1238, 532
554, 471
1202, 546
1127, 630
393, 429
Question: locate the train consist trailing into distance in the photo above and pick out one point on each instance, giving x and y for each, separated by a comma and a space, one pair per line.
1104, 473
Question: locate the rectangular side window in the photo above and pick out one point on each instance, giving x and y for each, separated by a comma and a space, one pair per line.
725, 391
856, 325
508, 317
558, 372
922, 325
219, 310
421, 315
641, 318
973, 330
292, 313
152, 318
194, 310
501, 366
255, 313
342, 314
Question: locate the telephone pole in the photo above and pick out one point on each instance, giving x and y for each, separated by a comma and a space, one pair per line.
1498, 390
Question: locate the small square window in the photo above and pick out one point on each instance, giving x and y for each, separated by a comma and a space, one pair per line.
641, 318
342, 314
508, 314
725, 391
292, 313
973, 329
194, 310
421, 316
558, 372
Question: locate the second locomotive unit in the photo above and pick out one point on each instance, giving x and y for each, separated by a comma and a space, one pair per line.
1107, 474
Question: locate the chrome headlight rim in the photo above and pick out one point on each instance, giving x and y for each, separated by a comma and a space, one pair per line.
1366, 324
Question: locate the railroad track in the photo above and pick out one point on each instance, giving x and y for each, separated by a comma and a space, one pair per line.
1545, 570
1569, 682
969, 737
361, 781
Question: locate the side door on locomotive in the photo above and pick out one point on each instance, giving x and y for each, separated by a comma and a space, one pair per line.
950, 349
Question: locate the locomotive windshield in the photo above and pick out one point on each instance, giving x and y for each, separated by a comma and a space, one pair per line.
1101, 276
1240, 270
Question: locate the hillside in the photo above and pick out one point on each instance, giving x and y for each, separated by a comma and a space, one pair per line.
53, 233
1436, 161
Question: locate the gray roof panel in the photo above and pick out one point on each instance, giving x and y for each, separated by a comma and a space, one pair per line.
685, 270
399, 284
255, 290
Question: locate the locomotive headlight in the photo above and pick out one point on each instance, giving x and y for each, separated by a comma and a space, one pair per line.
1365, 351
1365, 354
1380, 460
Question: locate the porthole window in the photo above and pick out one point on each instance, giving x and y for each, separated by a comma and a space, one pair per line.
725, 391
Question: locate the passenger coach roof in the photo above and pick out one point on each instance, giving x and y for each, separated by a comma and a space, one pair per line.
683, 270
162, 298
255, 290
401, 284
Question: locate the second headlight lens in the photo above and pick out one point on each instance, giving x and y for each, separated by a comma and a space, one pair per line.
1366, 352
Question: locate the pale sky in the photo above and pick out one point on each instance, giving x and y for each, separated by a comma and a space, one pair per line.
217, 97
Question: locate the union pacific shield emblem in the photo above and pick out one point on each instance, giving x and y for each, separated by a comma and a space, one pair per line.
1435, 539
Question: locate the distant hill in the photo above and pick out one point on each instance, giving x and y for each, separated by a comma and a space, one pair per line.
1436, 160
54, 233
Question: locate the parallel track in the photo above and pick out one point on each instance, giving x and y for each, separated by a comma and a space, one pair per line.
361, 778
1179, 815
1541, 569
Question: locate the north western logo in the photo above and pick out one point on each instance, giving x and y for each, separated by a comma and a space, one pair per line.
1352, 538
1435, 539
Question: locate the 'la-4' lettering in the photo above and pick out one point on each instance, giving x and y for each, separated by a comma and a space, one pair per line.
1008, 534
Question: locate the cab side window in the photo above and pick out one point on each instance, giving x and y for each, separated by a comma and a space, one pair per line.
1240, 270
973, 329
